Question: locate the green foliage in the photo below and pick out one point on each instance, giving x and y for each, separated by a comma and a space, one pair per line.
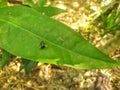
5, 58
41, 6
49, 10
29, 2
97, 14
27, 65
3, 3
111, 22
22, 30
41, 3
108, 18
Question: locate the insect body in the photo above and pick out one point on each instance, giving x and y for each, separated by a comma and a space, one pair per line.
42, 45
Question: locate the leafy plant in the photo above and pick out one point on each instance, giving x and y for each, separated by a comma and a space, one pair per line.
3, 3
5, 58
43, 8
23, 29
111, 22
40, 3
94, 16
40, 6
27, 65
108, 18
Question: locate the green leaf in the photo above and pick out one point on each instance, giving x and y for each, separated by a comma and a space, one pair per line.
5, 58
29, 2
27, 65
41, 3
3, 3
97, 14
49, 10
104, 19
23, 29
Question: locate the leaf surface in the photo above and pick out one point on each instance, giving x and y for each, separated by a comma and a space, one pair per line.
29, 2
27, 65
5, 58
3, 3
22, 30
41, 3
49, 10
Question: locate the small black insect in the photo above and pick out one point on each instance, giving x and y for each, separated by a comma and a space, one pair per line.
42, 45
